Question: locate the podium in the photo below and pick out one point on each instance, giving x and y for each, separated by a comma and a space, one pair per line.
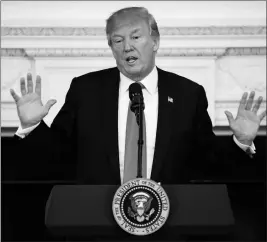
85, 211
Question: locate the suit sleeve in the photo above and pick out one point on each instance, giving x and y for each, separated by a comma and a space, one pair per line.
220, 156
48, 153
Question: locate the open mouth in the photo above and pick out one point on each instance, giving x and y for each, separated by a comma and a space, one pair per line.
131, 59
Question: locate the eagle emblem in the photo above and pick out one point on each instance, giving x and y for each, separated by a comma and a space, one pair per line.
140, 205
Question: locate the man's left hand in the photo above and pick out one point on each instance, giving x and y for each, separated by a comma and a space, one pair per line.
247, 122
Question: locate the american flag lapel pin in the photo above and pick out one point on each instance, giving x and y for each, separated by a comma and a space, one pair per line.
170, 99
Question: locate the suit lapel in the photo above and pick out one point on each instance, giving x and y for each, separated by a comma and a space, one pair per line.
164, 124
110, 120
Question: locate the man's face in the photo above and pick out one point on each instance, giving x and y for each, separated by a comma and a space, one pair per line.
133, 47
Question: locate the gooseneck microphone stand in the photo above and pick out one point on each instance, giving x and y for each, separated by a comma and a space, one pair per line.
138, 106
139, 120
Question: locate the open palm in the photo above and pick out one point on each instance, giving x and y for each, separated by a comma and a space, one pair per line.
247, 122
29, 106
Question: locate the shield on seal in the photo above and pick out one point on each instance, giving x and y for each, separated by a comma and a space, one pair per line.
140, 206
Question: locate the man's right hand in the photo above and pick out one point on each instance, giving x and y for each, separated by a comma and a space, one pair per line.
29, 106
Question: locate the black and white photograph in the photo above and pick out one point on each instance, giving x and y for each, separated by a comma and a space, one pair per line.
133, 121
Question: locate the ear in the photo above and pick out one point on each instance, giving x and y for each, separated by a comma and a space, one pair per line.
155, 44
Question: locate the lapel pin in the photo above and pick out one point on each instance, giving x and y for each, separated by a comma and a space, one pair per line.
170, 99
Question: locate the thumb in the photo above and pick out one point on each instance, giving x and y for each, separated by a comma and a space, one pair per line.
229, 117
49, 104
14, 95
262, 115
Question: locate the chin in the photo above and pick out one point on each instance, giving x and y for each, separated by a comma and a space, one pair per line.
134, 70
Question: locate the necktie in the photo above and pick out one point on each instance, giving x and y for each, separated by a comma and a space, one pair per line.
131, 148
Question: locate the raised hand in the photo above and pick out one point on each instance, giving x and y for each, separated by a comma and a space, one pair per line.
247, 122
29, 106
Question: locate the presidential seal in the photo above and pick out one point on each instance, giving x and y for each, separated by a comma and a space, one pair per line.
140, 206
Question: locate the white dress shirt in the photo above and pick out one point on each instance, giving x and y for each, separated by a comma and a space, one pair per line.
150, 93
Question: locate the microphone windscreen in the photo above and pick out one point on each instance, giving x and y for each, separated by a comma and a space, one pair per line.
135, 89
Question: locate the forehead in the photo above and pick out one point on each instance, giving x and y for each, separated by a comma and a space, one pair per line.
127, 24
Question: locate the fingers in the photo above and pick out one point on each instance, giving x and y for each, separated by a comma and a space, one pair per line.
49, 104
229, 116
247, 104
29, 83
14, 95
243, 101
250, 101
262, 115
38, 85
23, 86
257, 105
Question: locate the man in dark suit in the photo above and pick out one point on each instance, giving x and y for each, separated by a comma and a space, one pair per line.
90, 128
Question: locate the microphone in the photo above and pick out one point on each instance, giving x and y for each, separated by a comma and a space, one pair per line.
136, 97
137, 106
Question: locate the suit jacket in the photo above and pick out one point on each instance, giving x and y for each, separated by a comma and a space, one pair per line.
85, 132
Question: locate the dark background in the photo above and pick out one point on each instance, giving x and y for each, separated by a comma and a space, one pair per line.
24, 194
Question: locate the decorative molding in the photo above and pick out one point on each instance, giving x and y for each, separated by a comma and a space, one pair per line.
52, 31
106, 52
13, 52
69, 52
188, 52
245, 51
212, 30
98, 31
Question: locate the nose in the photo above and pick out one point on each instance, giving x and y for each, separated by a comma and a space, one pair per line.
128, 46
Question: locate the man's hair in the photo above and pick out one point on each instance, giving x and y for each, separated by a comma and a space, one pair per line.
138, 11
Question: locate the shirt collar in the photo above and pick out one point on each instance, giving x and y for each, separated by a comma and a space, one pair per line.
150, 82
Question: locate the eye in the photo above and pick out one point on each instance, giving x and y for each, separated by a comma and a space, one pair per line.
136, 37
117, 41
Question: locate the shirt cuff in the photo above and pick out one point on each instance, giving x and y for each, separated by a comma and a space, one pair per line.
22, 133
248, 149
